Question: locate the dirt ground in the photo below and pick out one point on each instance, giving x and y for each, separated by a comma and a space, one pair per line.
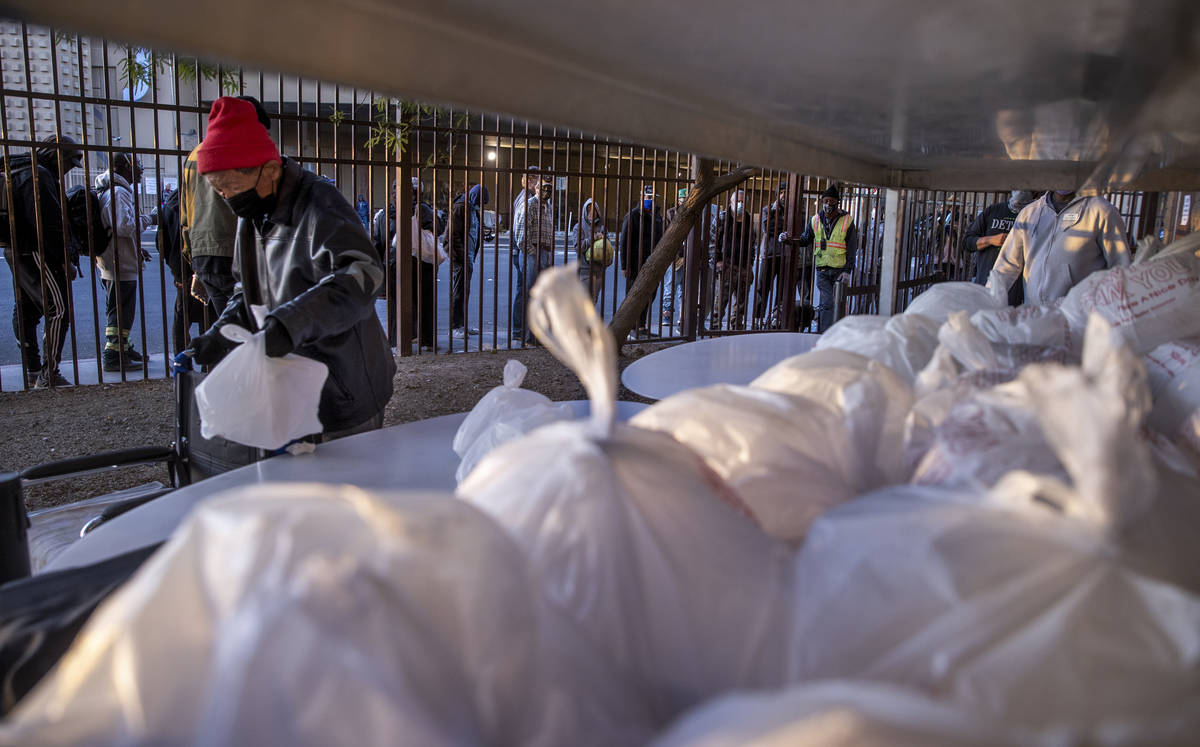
40, 426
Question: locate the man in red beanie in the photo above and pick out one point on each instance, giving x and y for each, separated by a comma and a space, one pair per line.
301, 251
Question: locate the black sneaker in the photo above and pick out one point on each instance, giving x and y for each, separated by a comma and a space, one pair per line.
110, 360
113, 362
51, 379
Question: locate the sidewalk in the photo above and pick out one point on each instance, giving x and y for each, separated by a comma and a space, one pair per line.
89, 372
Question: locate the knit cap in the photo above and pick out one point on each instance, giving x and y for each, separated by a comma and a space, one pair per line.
235, 138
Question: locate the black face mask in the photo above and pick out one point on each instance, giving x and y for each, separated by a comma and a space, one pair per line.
249, 204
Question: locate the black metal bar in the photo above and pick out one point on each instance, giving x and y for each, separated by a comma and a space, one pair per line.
72, 466
14, 529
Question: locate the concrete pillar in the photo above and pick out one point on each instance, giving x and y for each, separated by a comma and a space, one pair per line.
893, 240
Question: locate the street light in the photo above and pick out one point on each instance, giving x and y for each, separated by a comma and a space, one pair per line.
491, 155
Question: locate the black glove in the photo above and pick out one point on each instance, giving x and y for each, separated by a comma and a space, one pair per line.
209, 348
279, 342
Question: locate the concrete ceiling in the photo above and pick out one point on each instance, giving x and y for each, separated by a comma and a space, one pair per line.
915, 93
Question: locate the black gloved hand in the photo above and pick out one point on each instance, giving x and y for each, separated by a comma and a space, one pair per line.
279, 342
209, 348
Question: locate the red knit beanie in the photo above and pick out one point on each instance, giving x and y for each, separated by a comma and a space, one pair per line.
235, 138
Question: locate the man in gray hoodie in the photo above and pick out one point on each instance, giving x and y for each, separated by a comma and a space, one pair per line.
1056, 242
121, 263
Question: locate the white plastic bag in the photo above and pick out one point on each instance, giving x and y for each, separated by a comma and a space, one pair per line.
1026, 616
1041, 326
305, 614
1174, 373
872, 399
257, 400
505, 413
1049, 600
991, 431
939, 301
789, 459
813, 431
632, 534
970, 437
839, 713
1150, 303
967, 365
904, 342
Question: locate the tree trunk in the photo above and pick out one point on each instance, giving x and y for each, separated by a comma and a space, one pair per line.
665, 252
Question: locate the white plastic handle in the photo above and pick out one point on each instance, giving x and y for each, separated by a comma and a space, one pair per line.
565, 320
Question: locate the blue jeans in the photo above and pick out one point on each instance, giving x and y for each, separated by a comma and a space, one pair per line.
672, 289
826, 277
525, 271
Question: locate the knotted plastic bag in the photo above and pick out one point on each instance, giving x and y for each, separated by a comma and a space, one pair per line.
871, 398
1174, 372
631, 533
813, 431
257, 400
306, 614
969, 361
943, 299
904, 342
505, 413
1150, 303
1062, 598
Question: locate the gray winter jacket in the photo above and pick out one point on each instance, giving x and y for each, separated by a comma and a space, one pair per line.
1054, 251
317, 273
123, 257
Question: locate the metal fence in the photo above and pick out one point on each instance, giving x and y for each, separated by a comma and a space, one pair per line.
116, 99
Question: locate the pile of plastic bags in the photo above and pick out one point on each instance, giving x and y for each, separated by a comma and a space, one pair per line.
965, 524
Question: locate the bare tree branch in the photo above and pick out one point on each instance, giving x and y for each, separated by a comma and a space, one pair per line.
651, 274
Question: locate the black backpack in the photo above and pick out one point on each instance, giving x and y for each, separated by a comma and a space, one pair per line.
17, 170
93, 242
170, 244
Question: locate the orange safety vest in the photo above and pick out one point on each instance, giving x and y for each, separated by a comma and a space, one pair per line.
830, 251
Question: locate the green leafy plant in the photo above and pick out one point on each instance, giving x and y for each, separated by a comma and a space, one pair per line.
133, 69
392, 122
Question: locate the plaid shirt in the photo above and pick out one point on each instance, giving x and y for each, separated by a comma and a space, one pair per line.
533, 225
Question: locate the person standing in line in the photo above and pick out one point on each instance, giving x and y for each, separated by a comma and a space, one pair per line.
640, 232
208, 228
834, 239
42, 272
383, 230
1057, 241
986, 235
364, 212
774, 266
673, 282
529, 189
463, 242
189, 310
735, 244
533, 237
582, 237
423, 283
121, 263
